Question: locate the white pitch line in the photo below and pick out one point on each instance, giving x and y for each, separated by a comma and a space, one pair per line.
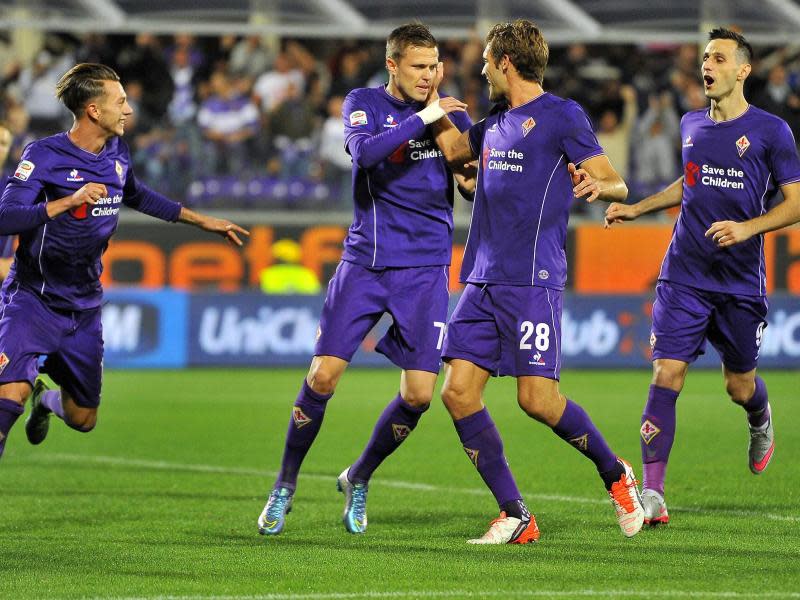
160, 465
476, 594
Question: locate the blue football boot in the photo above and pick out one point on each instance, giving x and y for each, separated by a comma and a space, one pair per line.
273, 517
355, 504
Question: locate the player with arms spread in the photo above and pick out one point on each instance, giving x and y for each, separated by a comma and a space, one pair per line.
395, 261
63, 200
508, 320
712, 283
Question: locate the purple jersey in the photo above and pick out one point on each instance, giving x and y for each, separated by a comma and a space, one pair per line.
403, 214
730, 169
59, 259
519, 219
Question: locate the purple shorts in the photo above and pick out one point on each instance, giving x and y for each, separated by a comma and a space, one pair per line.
683, 317
415, 297
72, 343
507, 330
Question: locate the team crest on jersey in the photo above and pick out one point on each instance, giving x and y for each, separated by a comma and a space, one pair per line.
358, 117
742, 144
652, 340
390, 122
527, 126
120, 171
648, 431
74, 176
472, 454
581, 443
3, 361
24, 170
299, 417
400, 431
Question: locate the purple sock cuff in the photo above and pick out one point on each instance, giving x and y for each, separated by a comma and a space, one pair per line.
472, 425
417, 410
663, 395
571, 419
15, 408
759, 400
310, 393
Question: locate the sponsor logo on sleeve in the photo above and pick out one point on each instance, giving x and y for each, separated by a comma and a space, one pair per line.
742, 144
24, 170
357, 118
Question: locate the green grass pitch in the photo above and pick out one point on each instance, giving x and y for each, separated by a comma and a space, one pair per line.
161, 500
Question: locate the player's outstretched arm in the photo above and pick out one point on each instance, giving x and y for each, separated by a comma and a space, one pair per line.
230, 231
596, 179
728, 233
666, 198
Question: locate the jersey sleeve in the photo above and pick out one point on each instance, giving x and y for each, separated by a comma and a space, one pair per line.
461, 120
476, 133
357, 115
784, 163
22, 205
578, 141
141, 198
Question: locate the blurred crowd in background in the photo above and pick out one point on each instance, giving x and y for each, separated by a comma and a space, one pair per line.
256, 123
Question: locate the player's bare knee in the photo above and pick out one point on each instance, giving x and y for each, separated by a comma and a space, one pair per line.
739, 391
17, 391
455, 397
418, 399
82, 421
322, 379
668, 376
536, 406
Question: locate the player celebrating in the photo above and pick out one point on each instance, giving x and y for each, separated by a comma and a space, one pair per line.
395, 261
63, 200
712, 282
508, 320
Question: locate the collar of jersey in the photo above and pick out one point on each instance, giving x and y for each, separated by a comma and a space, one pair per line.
736, 118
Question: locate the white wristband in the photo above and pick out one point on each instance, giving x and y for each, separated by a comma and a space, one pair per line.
431, 113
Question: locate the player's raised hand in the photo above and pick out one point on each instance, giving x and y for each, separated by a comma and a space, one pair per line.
230, 231
617, 213
433, 91
728, 233
88, 194
451, 104
584, 185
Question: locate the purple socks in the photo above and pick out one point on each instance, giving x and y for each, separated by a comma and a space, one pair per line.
657, 434
577, 428
484, 448
9, 413
396, 422
757, 407
307, 414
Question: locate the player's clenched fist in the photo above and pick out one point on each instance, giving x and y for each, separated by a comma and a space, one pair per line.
88, 194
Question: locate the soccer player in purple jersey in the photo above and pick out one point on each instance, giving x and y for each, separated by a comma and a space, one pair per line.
535, 154
712, 283
395, 261
63, 200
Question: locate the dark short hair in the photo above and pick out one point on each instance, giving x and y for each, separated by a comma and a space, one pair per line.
744, 50
82, 83
525, 46
411, 34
